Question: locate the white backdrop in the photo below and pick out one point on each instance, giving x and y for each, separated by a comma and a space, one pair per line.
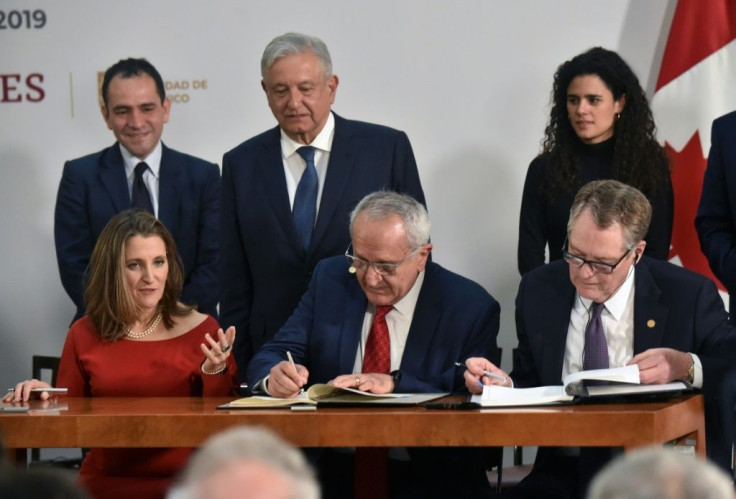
469, 81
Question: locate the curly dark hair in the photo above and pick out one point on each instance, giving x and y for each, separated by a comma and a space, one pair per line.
637, 154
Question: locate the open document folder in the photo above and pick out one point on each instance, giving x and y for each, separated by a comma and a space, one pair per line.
321, 394
622, 381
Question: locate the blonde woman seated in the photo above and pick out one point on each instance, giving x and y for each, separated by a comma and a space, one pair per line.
138, 340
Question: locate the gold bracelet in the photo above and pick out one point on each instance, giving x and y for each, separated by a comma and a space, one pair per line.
219, 371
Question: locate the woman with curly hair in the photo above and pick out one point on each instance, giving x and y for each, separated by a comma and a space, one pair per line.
600, 127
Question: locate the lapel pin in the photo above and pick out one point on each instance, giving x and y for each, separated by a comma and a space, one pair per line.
651, 323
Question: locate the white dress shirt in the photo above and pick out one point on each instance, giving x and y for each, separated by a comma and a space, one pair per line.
150, 176
618, 325
399, 323
294, 164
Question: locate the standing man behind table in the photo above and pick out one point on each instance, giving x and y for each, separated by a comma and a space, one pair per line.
605, 305
139, 171
387, 320
288, 191
716, 218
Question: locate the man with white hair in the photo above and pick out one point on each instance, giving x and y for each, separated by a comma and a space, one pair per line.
660, 473
287, 192
247, 463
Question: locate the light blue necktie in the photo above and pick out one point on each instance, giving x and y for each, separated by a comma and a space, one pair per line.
305, 200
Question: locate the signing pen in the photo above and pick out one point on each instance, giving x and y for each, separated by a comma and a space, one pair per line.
291, 361
495, 376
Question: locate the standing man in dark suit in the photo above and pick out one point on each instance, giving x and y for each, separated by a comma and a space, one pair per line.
271, 239
429, 317
667, 320
139, 170
716, 218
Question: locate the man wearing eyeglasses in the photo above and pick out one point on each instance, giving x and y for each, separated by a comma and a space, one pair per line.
433, 318
287, 192
669, 321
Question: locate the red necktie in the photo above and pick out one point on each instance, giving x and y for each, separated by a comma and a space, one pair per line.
377, 356
371, 463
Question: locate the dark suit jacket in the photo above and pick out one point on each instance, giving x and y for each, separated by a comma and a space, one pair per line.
93, 189
454, 319
687, 311
265, 271
716, 218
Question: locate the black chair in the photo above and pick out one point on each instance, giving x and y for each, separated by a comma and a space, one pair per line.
500, 476
41, 363
46, 368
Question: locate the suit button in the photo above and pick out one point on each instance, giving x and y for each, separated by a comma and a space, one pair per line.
308, 276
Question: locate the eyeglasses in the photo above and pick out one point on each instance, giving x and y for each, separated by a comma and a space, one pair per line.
595, 266
382, 269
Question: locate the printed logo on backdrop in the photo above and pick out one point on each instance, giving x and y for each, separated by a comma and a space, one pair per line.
19, 87
178, 91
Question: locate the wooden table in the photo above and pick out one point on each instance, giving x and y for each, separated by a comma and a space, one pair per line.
187, 422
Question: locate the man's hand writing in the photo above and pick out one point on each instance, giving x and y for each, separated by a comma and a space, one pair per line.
285, 381
474, 376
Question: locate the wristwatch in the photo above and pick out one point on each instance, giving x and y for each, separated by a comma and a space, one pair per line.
396, 378
691, 371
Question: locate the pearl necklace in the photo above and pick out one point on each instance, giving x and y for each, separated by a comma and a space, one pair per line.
136, 336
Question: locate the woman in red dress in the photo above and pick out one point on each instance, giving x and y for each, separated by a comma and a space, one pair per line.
139, 340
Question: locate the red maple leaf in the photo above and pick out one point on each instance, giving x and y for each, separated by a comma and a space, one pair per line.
688, 168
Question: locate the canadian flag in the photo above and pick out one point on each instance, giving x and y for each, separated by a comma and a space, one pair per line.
697, 83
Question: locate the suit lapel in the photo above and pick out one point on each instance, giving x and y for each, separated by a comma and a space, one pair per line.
650, 315
352, 326
112, 176
555, 319
339, 169
269, 172
169, 184
423, 324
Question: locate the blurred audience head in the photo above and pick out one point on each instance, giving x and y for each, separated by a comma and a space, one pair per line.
46, 483
247, 463
660, 473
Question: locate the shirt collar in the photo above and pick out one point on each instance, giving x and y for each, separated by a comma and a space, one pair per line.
406, 305
153, 160
322, 142
616, 304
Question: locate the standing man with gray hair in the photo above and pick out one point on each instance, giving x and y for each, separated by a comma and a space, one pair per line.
288, 191
605, 305
383, 318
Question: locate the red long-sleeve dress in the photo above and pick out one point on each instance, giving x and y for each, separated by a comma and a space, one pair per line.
91, 367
